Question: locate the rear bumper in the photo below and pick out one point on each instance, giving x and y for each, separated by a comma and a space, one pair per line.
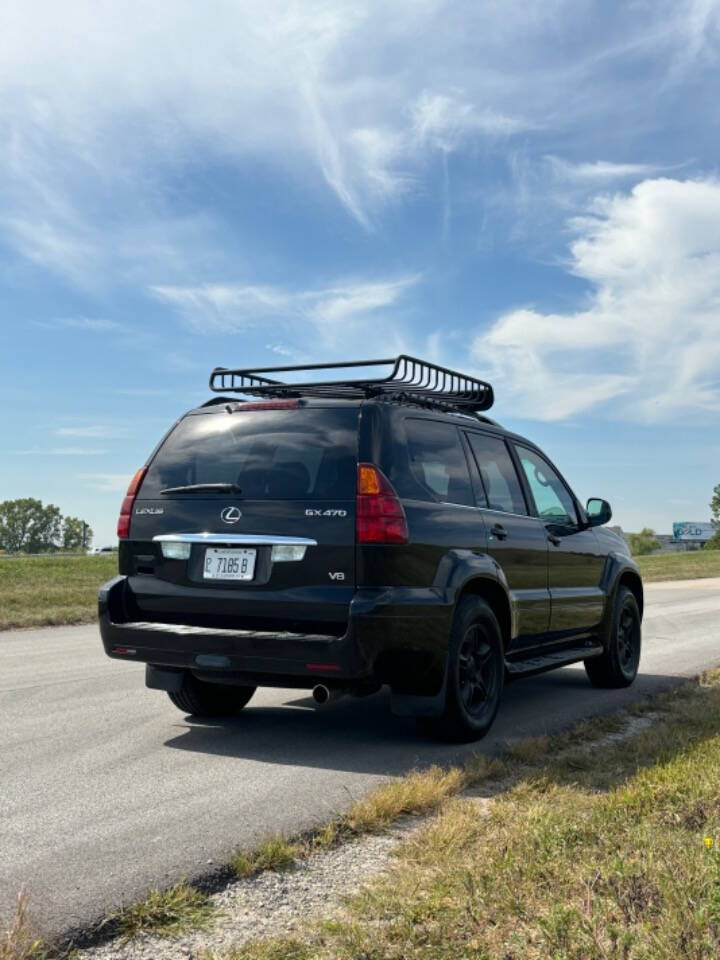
396, 636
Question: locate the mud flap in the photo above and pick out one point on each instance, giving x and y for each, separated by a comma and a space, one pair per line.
409, 705
164, 678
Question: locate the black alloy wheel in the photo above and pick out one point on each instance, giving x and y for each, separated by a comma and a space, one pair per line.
477, 676
628, 637
474, 675
618, 665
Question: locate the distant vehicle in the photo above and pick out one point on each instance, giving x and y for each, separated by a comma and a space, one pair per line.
347, 534
97, 550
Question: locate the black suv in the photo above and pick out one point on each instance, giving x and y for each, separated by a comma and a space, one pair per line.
343, 534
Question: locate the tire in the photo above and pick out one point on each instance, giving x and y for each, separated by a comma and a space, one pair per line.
202, 699
618, 666
475, 673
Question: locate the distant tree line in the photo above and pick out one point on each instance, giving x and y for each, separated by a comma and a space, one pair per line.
29, 526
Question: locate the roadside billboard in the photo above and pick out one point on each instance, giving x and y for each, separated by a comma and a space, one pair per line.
687, 530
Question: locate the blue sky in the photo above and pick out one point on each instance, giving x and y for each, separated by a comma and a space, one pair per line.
528, 191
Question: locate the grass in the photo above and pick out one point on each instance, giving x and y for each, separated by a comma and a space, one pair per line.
45, 590
165, 912
17, 943
609, 852
419, 792
680, 566
274, 853
582, 849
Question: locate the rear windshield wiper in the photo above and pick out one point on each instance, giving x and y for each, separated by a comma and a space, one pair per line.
204, 488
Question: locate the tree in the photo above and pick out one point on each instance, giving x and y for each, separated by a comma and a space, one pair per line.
76, 534
26, 524
714, 543
643, 543
715, 506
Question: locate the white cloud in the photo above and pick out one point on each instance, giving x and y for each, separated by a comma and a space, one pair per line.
100, 106
599, 170
647, 345
444, 120
142, 392
332, 313
59, 452
100, 431
86, 324
106, 482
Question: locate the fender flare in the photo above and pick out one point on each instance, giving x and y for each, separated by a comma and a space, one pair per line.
456, 573
618, 564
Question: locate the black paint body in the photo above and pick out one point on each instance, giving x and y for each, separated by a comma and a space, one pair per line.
387, 619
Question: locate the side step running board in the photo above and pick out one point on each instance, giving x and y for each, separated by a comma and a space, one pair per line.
549, 661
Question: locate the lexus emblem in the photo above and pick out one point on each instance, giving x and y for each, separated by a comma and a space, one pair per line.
230, 514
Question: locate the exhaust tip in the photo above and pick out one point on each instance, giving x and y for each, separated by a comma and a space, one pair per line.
321, 693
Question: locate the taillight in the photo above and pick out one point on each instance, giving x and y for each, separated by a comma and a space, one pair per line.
379, 517
123, 525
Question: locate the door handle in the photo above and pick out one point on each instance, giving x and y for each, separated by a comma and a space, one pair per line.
499, 531
554, 540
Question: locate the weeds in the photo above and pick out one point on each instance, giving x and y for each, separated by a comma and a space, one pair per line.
18, 943
612, 860
165, 912
275, 853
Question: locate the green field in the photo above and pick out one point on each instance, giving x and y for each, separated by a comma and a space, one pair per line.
680, 566
50, 590
46, 590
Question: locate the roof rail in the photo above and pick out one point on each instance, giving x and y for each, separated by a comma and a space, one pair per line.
409, 378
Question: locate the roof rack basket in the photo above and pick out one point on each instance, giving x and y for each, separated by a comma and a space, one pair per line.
409, 378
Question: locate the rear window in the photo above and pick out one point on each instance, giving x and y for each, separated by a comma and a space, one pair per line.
302, 454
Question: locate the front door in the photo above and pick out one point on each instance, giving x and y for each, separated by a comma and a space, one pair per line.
516, 541
576, 558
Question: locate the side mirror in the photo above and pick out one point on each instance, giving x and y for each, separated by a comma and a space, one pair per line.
598, 512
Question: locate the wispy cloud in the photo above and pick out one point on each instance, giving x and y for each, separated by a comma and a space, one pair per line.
648, 343
142, 392
316, 90
86, 324
59, 452
445, 120
100, 431
332, 312
599, 171
106, 482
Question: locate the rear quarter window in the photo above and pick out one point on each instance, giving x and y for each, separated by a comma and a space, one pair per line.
437, 468
300, 454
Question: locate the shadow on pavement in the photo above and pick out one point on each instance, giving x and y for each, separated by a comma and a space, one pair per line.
362, 736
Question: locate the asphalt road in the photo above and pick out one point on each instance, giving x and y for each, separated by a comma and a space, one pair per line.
106, 789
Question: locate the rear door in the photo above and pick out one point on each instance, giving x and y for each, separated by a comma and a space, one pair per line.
516, 540
283, 473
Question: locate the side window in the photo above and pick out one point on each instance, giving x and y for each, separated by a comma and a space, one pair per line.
437, 461
552, 498
497, 472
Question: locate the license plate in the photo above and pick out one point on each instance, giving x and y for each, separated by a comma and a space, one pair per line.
229, 564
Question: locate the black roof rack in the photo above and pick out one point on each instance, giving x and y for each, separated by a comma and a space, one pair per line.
410, 378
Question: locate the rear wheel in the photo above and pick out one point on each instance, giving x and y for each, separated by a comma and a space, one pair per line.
475, 673
202, 699
618, 665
